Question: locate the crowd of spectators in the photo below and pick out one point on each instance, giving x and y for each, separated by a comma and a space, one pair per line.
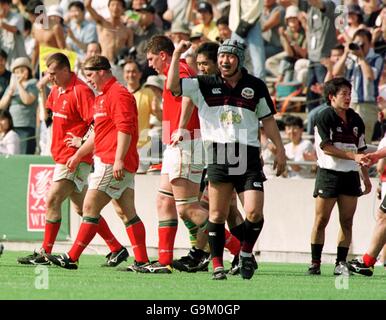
289, 42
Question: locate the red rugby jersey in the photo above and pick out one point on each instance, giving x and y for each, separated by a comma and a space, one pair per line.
171, 112
72, 110
115, 110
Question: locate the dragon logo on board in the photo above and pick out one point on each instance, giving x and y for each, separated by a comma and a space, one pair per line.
39, 182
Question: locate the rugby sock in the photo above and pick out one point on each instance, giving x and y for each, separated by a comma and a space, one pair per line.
137, 235
216, 239
105, 232
51, 230
369, 261
239, 231
252, 232
232, 243
193, 229
342, 253
86, 233
316, 252
167, 230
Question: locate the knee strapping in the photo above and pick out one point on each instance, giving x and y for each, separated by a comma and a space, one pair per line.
166, 193
189, 200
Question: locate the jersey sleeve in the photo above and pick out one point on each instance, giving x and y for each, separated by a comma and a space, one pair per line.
125, 114
323, 125
190, 88
265, 106
85, 103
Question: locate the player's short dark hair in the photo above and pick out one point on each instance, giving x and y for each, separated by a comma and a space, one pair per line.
5, 114
209, 50
61, 60
223, 20
338, 47
160, 43
77, 4
293, 121
333, 86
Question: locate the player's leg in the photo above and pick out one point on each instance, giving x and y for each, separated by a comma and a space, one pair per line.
365, 264
253, 202
125, 208
220, 198
94, 202
347, 206
59, 191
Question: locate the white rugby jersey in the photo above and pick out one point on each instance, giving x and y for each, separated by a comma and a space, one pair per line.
227, 114
350, 136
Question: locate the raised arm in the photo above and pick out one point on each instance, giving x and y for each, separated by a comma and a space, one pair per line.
173, 81
95, 15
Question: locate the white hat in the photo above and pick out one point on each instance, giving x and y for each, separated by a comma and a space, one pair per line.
292, 12
156, 81
55, 10
21, 62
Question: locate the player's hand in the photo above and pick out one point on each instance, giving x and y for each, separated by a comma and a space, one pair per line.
73, 141
367, 160
179, 135
118, 170
367, 184
280, 162
183, 46
73, 162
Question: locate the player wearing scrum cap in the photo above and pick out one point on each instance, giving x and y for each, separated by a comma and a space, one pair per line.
230, 106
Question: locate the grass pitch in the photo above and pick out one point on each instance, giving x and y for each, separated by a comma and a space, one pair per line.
272, 281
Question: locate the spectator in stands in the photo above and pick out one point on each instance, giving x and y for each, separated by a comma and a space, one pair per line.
224, 32
320, 40
144, 99
179, 31
207, 26
9, 139
364, 69
80, 31
35, 14
298, 149
329, 63
21, 99
11, 32
339, 143
379, 34
294, 42
111, 29
271, 19
5, 75
143, 32
92, 49
354, 23
156, 84
51, 35
29, 40
246, 29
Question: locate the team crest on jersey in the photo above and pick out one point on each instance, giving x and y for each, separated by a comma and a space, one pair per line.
355, 131
339, 129
230, 117
248, 93
216, 90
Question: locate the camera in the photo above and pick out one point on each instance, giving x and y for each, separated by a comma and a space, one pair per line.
355, 46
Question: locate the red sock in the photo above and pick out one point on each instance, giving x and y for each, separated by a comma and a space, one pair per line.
51, 230
137, 236
217, 262
86, 233
369, 261
247, 247
105, 232
166, 234
232, 243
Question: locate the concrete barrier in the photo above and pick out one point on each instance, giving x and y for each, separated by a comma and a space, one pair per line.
289, 215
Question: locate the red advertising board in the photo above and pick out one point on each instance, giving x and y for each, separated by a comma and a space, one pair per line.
39, 182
